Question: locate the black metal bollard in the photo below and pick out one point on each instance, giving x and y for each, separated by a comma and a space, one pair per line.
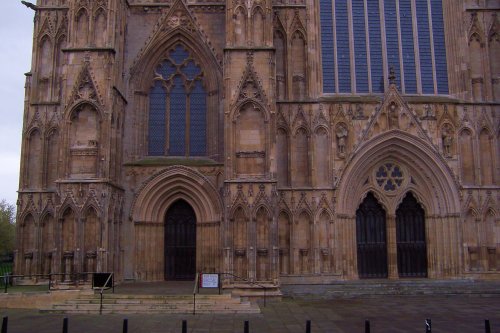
125, 325
487, 328
246, 327
65, 325
5, 321
184, 326
308, 326
367, 326
428, 326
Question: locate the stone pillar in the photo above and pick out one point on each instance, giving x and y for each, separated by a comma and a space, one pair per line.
28, 260
275, 264
68, 265
392, 251
251, 263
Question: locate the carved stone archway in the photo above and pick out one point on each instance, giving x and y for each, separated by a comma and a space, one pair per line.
429, 178
148, 215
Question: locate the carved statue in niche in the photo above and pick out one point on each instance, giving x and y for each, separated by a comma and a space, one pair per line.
429, 113
447, 138
393, 116
360, 113
341, 133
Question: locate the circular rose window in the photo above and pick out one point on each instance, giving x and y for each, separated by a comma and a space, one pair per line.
389, 177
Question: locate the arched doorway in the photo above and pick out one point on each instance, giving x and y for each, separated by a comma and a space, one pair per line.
180, 242
371, 239
410, 238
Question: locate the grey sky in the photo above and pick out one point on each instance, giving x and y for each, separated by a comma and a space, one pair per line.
16, 36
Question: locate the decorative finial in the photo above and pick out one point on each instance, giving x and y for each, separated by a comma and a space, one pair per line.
392, 75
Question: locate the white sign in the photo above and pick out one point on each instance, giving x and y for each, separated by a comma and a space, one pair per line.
210, 280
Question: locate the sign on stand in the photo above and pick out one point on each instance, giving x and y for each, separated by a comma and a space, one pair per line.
209, 280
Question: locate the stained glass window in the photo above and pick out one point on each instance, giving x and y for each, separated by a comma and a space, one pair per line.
177, 107
356, 34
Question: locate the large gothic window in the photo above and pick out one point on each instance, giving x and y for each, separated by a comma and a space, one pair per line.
177, 107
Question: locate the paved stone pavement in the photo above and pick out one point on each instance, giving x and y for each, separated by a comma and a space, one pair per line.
387, 314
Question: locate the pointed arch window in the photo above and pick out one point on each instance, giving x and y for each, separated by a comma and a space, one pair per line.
177, 107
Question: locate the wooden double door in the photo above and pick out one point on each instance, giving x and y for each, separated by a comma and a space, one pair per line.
180, 242
371, 238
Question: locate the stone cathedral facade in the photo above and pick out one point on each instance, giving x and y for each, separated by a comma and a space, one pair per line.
281, 141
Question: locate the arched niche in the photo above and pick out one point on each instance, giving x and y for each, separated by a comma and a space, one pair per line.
84, 141
29, 250
52, 161
45, 68
300, 159
240, 242
90, 231
471, 241
82, 28
280, 46
299, 76
258, 26
240, 26
60, 64
262, 225
33, 166
323, 235
68, 227
45, 58
250, 140
467, 164
494, 48
284, 236
48, 243
282, 152
321, 156
29, 234
302, 243
476, 66
486, 154
100, 27
492, 238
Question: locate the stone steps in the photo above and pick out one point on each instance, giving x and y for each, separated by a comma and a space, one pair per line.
113, 303
375, 288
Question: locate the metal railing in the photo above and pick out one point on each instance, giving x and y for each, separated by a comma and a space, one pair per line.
101, 291
196, 279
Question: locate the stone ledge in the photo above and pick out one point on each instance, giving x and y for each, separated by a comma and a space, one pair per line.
168, 161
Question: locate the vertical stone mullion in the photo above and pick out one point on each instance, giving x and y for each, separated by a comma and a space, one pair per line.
392, 255
368, 49
400, 48
433, 56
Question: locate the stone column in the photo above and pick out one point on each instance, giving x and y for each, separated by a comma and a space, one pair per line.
68, 265
392, 251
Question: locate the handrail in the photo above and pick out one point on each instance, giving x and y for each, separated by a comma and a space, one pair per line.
102, 290
251, 282
196, 279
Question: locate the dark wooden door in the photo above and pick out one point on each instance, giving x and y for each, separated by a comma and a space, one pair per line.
410, 238
371, 239
180, 242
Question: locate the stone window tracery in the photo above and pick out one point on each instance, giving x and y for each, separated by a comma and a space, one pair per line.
389, 177
177, 107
